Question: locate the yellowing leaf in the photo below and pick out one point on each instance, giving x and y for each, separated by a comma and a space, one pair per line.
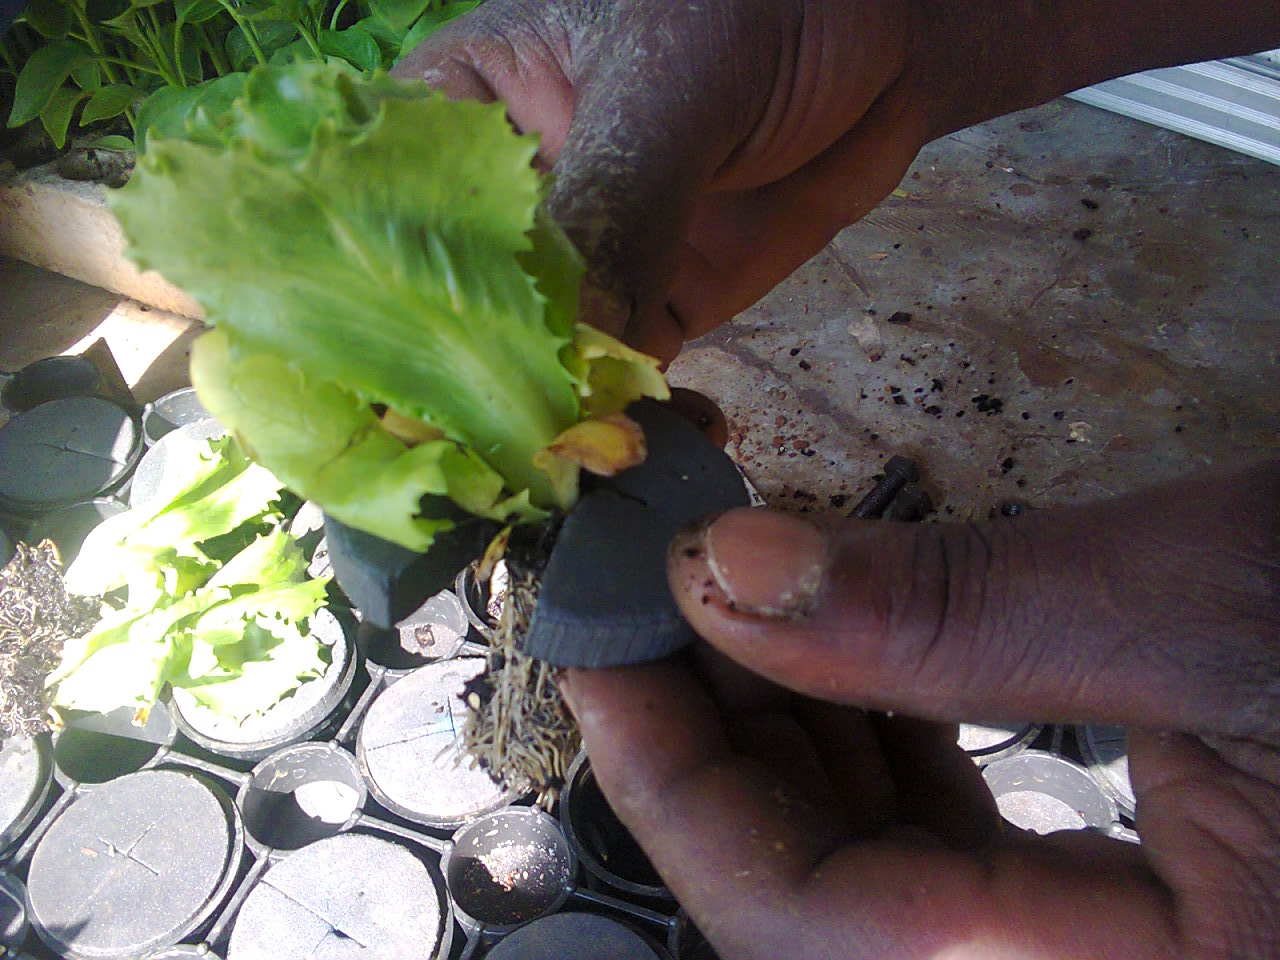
605, 446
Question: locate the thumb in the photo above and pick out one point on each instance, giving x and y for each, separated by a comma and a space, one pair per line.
1157, 609
654, 117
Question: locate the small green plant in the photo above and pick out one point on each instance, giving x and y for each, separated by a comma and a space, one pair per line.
79, 63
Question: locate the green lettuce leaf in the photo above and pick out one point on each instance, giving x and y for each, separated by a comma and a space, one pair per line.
362, 244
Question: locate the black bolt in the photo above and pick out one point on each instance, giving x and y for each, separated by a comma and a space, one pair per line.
898, 472
912, 504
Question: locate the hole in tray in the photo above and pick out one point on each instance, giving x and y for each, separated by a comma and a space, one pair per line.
508, 869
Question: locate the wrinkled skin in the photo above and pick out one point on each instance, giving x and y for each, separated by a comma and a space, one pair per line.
720, 148
702, 152
790, 821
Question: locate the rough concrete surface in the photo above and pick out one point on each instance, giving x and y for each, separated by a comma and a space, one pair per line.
1056, 306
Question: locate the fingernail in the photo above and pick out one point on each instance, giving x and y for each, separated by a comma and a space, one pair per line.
765, 563
603, 309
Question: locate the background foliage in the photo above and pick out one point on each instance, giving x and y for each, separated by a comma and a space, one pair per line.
79, 64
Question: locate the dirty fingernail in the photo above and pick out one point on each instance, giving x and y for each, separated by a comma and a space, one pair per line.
766, 563
603, 309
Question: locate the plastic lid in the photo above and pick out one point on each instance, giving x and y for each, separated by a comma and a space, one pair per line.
409, 748
65, 450
133, 865
25, 773
347, 896
574, 935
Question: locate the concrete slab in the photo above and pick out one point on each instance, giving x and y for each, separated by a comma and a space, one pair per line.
1056, 306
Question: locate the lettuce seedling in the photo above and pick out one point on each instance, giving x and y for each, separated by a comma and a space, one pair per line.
393, 315
218, 599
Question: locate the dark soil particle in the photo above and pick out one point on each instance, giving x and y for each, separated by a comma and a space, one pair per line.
988, 404
901, 316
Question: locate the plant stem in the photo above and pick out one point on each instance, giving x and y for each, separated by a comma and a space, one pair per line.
221, 65
247, 29
311, 41
94, 41
106, 58
333, 20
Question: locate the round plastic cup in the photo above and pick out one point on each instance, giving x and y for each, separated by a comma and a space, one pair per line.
65, 451
310, 711
600, 841
68, 527
1106, 754
572, 934
134, 865
1044, 793
13, 912
149, 478
26, 775
986, 743
507, 869
686, 942
52, 378
435, 631
184, 951
303, 793
95, 748
410, 750
348, 895
173, 410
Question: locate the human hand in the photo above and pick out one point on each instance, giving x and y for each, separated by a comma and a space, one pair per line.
791, 823
701, 151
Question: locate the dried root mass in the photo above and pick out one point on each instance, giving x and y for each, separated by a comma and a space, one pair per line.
518, 727
36, 619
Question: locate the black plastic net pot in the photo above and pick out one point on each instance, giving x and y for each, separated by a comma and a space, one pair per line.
1106, 754
1044, 793
301, 794
435, 631
986, 743
13, 913
65, 451
26, 776
566, 935
349, 895
506, 869
68, 527
310, 711
53, 378
686, 942
95, 748
604, 846
173, 410
134, 865
184, 952
410, 751
148, 479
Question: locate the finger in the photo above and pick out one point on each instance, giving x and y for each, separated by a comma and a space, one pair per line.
1157, 609
656, 742
742, 243
938, 787
509, 51
763, 875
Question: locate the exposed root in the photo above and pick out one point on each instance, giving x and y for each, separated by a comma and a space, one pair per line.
518, 727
